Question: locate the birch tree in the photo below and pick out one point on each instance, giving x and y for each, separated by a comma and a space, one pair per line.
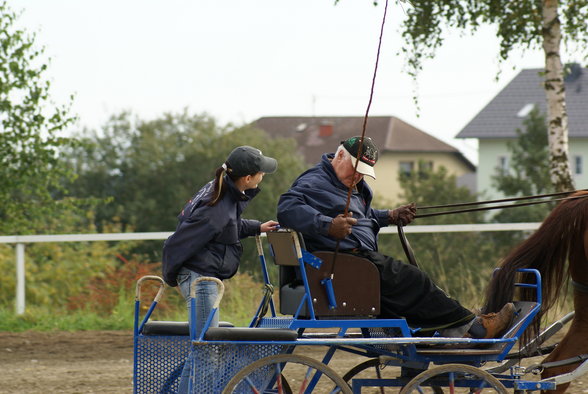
526, 24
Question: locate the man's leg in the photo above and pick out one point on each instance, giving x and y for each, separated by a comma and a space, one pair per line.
409, 292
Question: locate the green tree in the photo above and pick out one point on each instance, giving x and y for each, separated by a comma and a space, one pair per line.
460, 270
145, 171
30, 169
142, 171
529, 156
526, 24
529, 171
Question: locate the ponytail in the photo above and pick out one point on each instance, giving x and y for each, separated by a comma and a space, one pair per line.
219, 187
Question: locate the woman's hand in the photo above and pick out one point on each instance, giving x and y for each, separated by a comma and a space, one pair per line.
270, 225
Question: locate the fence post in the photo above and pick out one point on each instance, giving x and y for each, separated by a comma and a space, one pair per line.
20, 278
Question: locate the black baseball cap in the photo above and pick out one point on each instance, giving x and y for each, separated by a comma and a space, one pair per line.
368, 157
247, 160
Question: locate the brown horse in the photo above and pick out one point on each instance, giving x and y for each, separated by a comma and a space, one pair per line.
562, 237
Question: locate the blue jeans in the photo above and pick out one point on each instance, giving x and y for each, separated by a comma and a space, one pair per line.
206, 293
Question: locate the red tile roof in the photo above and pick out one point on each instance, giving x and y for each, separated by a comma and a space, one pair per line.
390, 134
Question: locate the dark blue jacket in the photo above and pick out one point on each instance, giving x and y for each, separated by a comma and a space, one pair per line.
207, 239
317, 196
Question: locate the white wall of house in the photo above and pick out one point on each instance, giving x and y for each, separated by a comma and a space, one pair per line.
493, 153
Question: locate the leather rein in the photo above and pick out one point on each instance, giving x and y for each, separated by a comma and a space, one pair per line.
501, 206
581, 287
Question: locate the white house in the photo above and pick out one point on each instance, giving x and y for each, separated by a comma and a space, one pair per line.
498, 120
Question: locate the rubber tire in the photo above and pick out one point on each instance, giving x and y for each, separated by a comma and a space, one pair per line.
372, 363
430, 373
284, 359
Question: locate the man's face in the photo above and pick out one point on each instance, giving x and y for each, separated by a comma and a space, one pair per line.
344, 170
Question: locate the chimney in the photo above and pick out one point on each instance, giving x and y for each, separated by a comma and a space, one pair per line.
326, 129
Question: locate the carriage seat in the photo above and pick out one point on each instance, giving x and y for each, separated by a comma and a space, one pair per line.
250, 334
173, 328
356, 280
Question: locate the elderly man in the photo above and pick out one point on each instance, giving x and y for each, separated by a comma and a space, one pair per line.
314, 207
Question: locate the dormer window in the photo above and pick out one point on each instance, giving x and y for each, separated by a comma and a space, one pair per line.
526, 110
301, 127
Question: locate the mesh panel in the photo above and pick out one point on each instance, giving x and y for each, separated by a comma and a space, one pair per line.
160, 360
276, 322
385, 332
215, 365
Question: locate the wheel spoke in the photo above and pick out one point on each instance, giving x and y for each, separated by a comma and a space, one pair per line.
286, 373
305, 381
279, 379
252, 386
458, 378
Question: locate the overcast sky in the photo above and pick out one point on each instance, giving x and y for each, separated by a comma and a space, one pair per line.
239, 60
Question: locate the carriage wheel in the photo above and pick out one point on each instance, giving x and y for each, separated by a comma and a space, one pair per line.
374, 369
268, 375
458, 378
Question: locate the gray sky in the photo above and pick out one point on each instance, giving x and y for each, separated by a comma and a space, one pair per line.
240, 60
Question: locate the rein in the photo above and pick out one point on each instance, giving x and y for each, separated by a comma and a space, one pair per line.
498, 206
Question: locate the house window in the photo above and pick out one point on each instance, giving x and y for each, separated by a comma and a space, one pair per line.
503, 164
406, 167
425, 168
578, 164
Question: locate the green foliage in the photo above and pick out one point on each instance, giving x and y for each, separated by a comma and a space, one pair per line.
144, 171
461, 262
30, 169
518, 24
529, 172
56, 272
242, 297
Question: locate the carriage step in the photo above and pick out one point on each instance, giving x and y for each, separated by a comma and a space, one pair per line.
250, 334
173, 328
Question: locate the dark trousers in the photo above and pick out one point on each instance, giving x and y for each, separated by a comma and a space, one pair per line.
406, 291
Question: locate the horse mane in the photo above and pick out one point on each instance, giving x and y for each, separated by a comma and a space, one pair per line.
546, 250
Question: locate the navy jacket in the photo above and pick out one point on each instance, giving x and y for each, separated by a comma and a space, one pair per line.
316, 197
207, 239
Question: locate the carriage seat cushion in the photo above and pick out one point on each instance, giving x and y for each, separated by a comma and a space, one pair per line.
250, 334
173, 328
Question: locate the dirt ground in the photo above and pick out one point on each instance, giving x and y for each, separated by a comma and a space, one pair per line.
90, 362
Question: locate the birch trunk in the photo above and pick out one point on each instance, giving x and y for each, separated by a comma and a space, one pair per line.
557, 116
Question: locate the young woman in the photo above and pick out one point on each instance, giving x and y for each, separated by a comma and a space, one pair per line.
207, 239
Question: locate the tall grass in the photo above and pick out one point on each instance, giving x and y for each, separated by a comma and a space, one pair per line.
242, 297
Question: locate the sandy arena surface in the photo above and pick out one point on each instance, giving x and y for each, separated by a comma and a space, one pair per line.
91, 362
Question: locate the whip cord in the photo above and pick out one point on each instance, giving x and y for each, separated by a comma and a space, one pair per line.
364, 127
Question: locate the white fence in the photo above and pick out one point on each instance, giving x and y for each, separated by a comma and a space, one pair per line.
20, 240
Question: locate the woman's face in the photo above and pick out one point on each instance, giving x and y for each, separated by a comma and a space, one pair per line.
251, 181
